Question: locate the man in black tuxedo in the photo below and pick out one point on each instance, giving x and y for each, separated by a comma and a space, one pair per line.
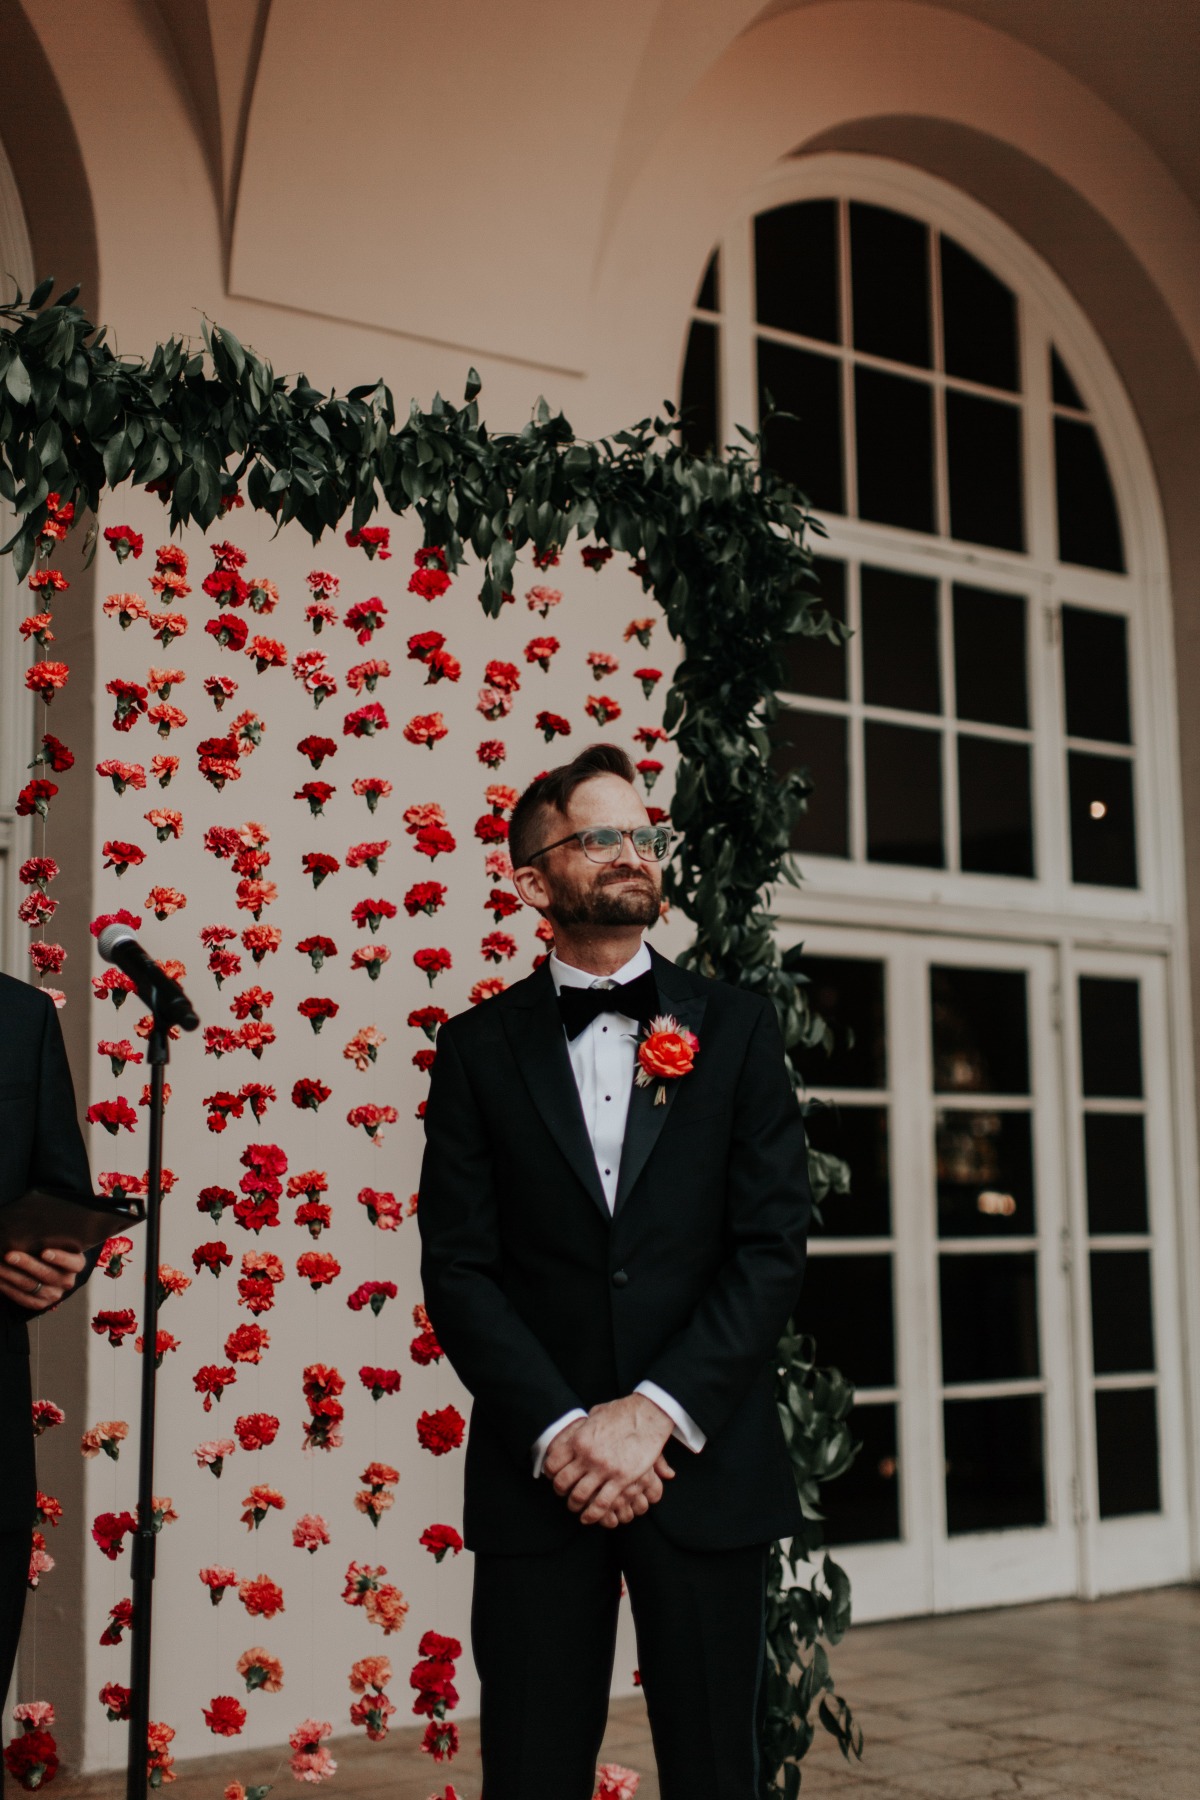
609, 1271
41, 1146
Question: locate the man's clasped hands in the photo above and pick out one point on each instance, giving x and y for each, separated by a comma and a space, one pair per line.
610, 1467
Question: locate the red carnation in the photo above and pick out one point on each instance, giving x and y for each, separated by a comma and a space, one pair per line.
224, 1715
109, 1531
428, 1019
35, 797
372, 1294
432, 962
374, 539
424, 896
255, 1431
211, 1380
365, 721
316, 1010
309, 1092
438, 1539
441, 1431
230, 631
380, 1381
316, 793
316, 749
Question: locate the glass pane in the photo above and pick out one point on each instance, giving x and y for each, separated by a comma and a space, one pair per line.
900, 660
995, 807
815, 665
994, 1464
698, 395
1061, 386
1103, 838
846, 1304
989, 1316
985, 1174
1096, 674
796, 269
817, 744
708, 298
889, 279
1115, 1154
904, 795
894, 426
806, 450
863, 1505
990, 666
859, 1135
983, 457
1110, 1035
847, 992
980, 1033
1127, 1452
979, 321
1089, 528
1122, 1312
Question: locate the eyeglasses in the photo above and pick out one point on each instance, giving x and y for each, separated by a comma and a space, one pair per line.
602, 843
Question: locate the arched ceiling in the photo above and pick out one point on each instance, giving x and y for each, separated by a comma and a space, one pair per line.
1141, 57
439, 145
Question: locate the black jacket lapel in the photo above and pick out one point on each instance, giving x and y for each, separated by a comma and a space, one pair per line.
644, 1120
540, 1052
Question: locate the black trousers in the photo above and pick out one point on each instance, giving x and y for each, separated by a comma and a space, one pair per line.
14, 1575
543, 1631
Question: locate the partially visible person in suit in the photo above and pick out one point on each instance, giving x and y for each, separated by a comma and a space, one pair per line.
41, 1146
614, 1229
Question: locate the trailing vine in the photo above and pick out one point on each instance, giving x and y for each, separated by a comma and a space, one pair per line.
720, 542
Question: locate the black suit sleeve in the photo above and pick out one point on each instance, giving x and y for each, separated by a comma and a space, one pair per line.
710, 1364
493, 1351
59, 1159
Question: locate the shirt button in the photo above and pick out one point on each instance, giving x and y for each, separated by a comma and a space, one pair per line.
619, 1278
608, 1096
608, 1171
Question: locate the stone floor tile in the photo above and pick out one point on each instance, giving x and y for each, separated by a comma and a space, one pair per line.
973, 1782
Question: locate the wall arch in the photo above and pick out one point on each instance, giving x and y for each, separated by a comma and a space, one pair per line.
47, 226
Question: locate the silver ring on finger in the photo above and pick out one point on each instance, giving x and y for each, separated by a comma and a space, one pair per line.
37, 1290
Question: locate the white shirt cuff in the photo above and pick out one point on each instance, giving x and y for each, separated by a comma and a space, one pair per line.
551, 1432
685, 1427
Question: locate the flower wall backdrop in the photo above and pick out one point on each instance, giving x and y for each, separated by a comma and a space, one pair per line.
306, 772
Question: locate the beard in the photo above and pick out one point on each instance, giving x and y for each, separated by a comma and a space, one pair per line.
607, 900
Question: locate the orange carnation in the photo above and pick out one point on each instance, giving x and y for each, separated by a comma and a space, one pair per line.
666, 1053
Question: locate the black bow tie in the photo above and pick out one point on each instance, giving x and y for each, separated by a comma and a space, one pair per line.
637, 999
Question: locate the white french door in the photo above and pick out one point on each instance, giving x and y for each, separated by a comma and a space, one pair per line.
999, 1281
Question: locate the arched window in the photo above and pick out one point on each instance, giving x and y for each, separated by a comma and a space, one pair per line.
991, 901
981, 721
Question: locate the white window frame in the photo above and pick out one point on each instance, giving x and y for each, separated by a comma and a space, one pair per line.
1047, 315
1087, 928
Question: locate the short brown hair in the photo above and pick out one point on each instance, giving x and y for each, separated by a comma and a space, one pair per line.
552, 793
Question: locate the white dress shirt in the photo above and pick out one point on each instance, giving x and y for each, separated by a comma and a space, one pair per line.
602, 1056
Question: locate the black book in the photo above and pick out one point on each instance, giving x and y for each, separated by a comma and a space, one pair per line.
44, 1220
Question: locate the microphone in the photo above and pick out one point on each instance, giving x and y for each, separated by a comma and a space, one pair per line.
162, 995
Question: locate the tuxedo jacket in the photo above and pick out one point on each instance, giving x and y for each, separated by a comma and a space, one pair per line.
40, 1146
544, 1301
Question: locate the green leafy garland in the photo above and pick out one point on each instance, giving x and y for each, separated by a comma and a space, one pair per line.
720, 542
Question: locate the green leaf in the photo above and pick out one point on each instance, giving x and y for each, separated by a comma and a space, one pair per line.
17, 382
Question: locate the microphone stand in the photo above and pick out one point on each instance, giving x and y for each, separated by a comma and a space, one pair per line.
145, 1537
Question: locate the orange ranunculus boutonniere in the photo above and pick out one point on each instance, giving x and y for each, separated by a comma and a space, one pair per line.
664, 1054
